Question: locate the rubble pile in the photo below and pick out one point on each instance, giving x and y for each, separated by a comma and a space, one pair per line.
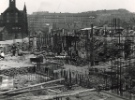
17, 71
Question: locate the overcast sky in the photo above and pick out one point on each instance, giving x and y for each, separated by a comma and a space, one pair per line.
70, 5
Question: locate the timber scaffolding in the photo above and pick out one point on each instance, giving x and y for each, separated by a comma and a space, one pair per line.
58, 79
65, 78
61, 79
46, 74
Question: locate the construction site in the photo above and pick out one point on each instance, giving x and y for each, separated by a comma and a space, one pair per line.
68, 67
66, 56
24, 79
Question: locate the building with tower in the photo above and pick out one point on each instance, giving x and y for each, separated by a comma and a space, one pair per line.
14, 22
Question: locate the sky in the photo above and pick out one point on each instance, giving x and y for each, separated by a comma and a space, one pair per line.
72, 6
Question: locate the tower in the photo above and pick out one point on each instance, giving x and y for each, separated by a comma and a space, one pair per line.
12, 3
25, 20
24, 8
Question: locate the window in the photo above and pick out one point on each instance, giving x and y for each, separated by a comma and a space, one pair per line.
16, 20
7, 17
7, 21
16, 17
1, 17
7, 14
16, 14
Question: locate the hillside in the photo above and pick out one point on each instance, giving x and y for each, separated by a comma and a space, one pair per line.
102, 17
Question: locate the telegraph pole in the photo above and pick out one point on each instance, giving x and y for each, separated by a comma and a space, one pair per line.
105, 44
87, 48
120, 55
29, 39
90, 60
91, 51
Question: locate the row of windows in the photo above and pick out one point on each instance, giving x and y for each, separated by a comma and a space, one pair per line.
16, 14
8, 17
57, 17
16, 21
41, 18
55, 20
50, 16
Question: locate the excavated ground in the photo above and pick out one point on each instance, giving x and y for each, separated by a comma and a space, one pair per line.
18, 69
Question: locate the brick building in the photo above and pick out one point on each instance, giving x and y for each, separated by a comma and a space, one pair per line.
70, 21
14, 22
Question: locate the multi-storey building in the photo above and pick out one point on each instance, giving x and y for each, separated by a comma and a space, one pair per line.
40, 20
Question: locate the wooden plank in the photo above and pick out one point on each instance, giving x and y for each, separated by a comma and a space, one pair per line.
53, 91
51, 97
52, 87
69, 94
31, 86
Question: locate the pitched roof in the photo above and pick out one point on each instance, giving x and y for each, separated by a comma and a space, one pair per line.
11, 9
89, 28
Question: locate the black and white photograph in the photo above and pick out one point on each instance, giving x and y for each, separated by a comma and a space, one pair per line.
67, 49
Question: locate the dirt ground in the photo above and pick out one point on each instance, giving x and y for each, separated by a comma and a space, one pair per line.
15, 61
82, 96
12, 62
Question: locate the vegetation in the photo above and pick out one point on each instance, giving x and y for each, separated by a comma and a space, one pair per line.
105, 17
